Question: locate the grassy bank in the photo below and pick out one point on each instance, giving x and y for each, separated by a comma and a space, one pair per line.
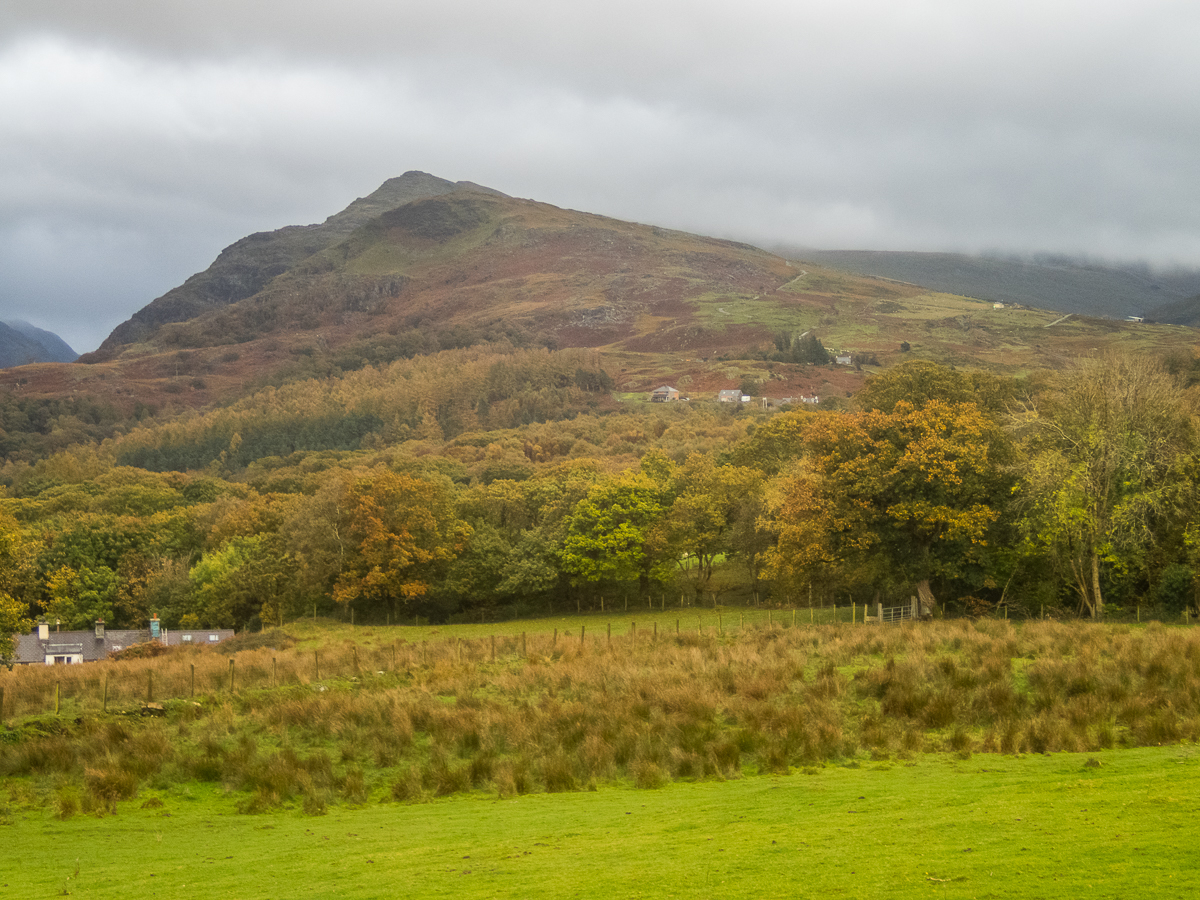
367, 717
1037, 826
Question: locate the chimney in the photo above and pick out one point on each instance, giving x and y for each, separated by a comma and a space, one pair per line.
99, 629
43, 631
154, 628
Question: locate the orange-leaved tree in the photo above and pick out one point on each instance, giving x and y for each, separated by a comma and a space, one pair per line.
400, 534
917, 490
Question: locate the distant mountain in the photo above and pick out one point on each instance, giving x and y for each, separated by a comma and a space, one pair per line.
1181, 312
22, 343
56, 349
1064, 285
247, 266
423, 266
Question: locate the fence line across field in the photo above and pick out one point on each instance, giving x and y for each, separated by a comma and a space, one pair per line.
127, 685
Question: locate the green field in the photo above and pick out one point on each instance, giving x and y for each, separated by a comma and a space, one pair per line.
992, 826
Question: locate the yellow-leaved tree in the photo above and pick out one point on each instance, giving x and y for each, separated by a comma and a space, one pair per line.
400, 533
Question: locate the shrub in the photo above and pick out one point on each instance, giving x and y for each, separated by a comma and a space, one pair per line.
66, 801
108, 785
144, 650
354, 786
557, 773
648, 775
408, 786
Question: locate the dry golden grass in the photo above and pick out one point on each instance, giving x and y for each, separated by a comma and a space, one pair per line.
413, 720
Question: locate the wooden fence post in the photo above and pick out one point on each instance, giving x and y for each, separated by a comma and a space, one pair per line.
231, 684
57, 689
273, 671
2, 701
523, 653
493, 648
610, 635
582, 628
393, 656
720, 624
149, 685
677, 626
193, 691
317, 664
354, 650
793, 617
554, 645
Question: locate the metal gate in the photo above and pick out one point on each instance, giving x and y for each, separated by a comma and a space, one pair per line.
895, 613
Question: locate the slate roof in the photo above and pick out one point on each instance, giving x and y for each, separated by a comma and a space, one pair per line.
29, 649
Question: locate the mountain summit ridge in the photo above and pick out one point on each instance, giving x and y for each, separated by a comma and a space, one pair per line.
249, 264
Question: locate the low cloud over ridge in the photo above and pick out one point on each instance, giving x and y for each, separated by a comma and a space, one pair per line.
138, 140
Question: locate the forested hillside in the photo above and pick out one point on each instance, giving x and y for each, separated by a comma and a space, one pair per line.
443, 414
533, 490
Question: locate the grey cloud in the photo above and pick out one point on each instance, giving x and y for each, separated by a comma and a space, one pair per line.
136, 140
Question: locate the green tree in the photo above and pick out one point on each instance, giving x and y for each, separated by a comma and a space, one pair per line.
13, 621
239, 581
614, 533
917, 382
1107, 455
77, 598
703, 519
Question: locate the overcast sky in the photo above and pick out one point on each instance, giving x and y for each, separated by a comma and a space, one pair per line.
140, 137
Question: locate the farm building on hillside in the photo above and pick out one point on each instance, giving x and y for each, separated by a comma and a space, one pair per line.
663, 394
844, 360
45, 647
730, 396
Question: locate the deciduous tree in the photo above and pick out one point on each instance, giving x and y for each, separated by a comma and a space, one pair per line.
916, 488
1106, 467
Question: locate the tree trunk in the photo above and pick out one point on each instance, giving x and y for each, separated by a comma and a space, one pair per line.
1098, 599
925, 599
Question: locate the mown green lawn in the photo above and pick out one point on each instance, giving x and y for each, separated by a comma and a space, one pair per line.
935, 826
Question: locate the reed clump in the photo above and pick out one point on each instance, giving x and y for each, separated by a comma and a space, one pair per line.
404, 722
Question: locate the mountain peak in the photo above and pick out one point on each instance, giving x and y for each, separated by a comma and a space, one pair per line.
247, 266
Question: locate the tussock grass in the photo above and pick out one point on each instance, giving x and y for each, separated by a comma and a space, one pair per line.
406, 721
